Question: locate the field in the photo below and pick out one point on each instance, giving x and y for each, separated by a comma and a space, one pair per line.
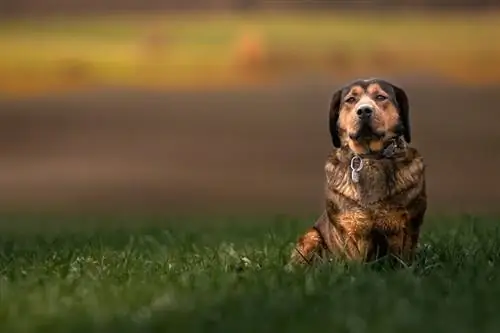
181, 152
117, 151
178, 51
227, 275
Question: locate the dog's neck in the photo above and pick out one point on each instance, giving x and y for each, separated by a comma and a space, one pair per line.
368, 180
374, 182
393, 148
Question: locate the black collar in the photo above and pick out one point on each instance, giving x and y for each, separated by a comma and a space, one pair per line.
392, 148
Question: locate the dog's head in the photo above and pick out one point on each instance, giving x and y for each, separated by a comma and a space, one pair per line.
367, 114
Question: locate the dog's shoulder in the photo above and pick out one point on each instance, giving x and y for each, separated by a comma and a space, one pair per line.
413, 155
409, 178
335, 162
339, 186
411, 167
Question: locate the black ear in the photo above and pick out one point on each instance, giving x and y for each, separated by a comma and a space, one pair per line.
334, 117
404, 111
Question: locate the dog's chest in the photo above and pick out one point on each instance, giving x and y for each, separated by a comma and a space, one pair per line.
365, 204
386, 182
375, 182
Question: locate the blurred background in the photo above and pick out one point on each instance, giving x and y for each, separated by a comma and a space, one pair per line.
221, 105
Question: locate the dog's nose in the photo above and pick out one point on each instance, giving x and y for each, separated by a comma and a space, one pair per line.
364, 111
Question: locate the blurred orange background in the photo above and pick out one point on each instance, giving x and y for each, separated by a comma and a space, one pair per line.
221, 106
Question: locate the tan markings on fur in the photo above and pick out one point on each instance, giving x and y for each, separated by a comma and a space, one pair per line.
354, 225
390, 113
356, 210
352, 232
356, 91
373, 181
360, 223
384, 119
409, 175
340, 181
376, 145
361, 147
307, 246
383, 212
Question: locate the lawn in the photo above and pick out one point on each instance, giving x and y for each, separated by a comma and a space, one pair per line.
227, 275
213, 50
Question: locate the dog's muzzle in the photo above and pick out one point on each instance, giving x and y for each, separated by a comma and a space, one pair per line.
364, 111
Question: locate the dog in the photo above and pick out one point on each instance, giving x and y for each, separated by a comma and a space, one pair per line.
375, 182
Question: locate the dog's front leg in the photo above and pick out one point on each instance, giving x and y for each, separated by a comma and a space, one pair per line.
416, 217
308, 246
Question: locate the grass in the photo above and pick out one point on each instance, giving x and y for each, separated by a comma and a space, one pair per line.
227, 276
174, 50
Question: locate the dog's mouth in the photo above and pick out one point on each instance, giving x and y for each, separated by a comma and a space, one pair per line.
366, 133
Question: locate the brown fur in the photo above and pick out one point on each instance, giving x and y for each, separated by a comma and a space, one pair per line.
382, 213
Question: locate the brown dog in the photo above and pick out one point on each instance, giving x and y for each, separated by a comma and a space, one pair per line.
375, 184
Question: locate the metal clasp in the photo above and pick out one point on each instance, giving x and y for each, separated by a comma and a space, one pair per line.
355, 169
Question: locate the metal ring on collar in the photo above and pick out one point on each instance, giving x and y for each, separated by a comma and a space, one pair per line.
355, 159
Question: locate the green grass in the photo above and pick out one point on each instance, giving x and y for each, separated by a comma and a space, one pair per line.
227, 275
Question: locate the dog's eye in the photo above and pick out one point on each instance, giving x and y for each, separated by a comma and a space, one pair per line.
350, 100
380, 98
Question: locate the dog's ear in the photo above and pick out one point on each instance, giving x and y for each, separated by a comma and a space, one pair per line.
334, 117
404, 111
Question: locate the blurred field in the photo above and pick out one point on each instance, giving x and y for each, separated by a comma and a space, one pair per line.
214, 50
232, 151
228, 276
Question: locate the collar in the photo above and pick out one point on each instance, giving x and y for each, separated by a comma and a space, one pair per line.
394, 147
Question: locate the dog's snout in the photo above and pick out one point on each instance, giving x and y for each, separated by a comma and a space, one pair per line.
364, 111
